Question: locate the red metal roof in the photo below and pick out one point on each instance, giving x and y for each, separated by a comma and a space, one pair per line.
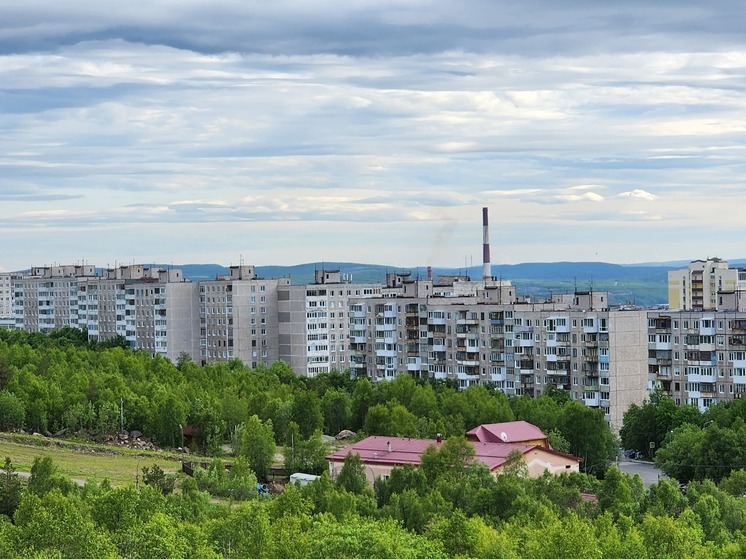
402, 451
509, 432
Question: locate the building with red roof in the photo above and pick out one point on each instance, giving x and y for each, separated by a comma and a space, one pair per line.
381, 454
510, 432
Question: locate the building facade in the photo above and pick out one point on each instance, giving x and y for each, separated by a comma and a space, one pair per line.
452, 328
314, 322
696, 288
238, 316
698, 358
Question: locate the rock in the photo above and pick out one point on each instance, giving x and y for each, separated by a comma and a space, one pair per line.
345, 434
135, 434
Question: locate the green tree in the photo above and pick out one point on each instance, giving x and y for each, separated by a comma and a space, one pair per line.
617, 494
45, 477
515, 464
58, 523
10, 489
256, 441
450, 458
157, 478
378, 420
308, 456
307, 413
337, 406
589, 435
12, 411
679, 458
352, 476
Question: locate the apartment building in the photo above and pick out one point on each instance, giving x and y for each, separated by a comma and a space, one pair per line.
238, 316
698, 358
153, 309
314, 321
696, 288
47, 297
7, 284
469, 332
488, 336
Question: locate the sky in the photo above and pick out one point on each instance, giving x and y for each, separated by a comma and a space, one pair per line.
284, 132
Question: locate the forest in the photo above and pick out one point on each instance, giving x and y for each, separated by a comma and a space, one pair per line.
449, 507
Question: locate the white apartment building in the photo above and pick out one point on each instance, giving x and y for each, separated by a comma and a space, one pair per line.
572, 342
314, 322
698, 358
7, 285
47, 297
238, 316
153, 309
696, 288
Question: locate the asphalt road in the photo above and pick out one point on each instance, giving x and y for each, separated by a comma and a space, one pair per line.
646, 470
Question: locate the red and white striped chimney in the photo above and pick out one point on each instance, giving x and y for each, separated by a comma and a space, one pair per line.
486, 267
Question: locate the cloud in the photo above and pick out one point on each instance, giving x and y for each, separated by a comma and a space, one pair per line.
638, 193
586, 197
397, 115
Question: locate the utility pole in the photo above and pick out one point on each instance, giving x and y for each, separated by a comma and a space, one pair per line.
121, 415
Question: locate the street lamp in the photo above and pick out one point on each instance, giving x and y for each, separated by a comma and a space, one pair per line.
181, 429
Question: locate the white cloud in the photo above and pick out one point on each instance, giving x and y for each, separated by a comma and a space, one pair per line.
637, 193
394, 115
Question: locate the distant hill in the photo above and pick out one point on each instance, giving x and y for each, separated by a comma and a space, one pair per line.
637, 284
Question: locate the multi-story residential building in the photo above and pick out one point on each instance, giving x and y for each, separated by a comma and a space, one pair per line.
572, 342
314, 321
239, 317
696, 288
153, 309
47, 297
7, 284
698, 358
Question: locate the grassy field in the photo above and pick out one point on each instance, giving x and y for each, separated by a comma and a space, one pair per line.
86, 462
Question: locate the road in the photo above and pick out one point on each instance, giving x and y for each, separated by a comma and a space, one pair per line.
646, 470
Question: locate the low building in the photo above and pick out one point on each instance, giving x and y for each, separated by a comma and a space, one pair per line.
517, 432
381, 454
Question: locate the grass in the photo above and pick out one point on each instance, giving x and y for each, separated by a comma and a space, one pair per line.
85, 461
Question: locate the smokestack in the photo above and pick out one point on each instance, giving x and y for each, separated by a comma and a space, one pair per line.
430, 273
486, 267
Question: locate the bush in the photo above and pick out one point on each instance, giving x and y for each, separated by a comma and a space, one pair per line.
238, 483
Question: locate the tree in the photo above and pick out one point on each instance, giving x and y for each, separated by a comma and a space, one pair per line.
58, 523
45, 477
589, 436
337, 406
678, 459
307, 413
449, 458
10, 489
616, 494
307, 456
378, 421
156, 477
256, 441
12, 411
352, 476
515, 464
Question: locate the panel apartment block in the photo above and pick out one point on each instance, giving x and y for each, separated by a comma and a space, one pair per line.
239, 317
314, 322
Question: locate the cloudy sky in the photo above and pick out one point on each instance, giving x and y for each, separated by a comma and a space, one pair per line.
293, 131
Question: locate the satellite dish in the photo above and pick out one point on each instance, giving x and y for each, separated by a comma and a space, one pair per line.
504, 437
